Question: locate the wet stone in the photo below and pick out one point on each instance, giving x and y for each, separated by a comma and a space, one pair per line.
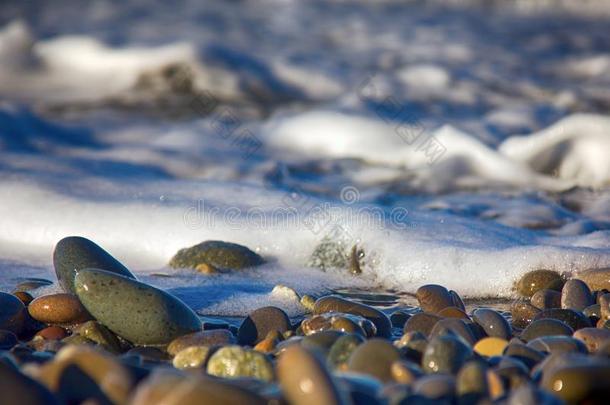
596, 279
523, 313
399, 318
52, 333
546, 299
321, 341
7, 339
436, 387
215, 337
31, 284
433, 298
453, 312
536, 280
574, 319
445, 354
593, 311
24, 297
493, 323
527, 355
260, 322
421, 322
217, 254
334, 303
236, 361
405, 372
490, 346
74, 253
471, 381
58, 309
452, 325
580, 384
593, 338
135, 311
558, 344
18, 388
545, 327
374, 357
576, 295
101, 335
192, 357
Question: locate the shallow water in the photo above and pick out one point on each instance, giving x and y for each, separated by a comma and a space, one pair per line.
460, 145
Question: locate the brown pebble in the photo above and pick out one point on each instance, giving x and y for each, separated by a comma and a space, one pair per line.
52, 333
594, 338
576, 295
58, 309
536, 280
453, 312
24, 297
433, 298
421, 322
522, 313
596, 279
204, 338
546, 299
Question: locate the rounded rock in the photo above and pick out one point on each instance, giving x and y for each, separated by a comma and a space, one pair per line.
596, 279
593, 338
546, 299
433, 298
558, 344
536, 280
236, 361
374, 357
574, 319
214, 337
12, 313
421, 322
576, 295
333, 303
523, 313
74, 253
490, 346
260, 322
58, 309
342, 349
445, 354
493, 323
52, 333
580, 384
545, 327
7, 339
218, 254
137, 312
192, 357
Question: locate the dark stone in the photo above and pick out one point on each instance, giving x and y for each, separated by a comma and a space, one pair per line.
221, 255
374, 357
493, 323
333, 303
545, 327
18, 389
421, 322
260, 322
574, 319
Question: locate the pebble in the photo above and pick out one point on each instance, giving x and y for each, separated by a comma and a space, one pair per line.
445, 354
333, 303
546, 299
374, 357
523, 313
218, 254
545, 327
135, 311
7, 339
558, 344
436, 387
321, 341
604, 306
192, 357
596, 279
12, 313
17, 388
214, 337
24, 297
523, 353
74, 253
52, 333
433, 298
59, 309
421, 322
452, 325
305, 380
576, 295
580, 384
490, 346
405, 372
31, 284
493, 323
101, 335
399, 318
453, 312
593, 311
593, 338
308, 302
236, 361
536, 280
112, 378
574, 319
475, 381
260, 322
269, 343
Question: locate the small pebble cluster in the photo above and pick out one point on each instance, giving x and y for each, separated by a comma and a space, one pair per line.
111, 339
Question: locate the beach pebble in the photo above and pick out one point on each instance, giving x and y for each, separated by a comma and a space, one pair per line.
218, 254
576, 295
558, 344
214, 337
305, 380
341, 350
522, 313
593, 312
490, 346
74, 253
235, 361
580, 384
475, 381
12, 313
269, 343
374, 357
405, 372
445, 354
596, 279
192, 357
260, 322
493, 323
399, 318
135, 311
527, 355
24, 297
333, 303
101, 335
545, 327
52, 333
546, 299
452, 325
536, 280
433, 298
574, 319
308, 302
593, 338
78, 363
421, 322
321, 341
60, 308
19, 389
31, 284
528, 394
604, 306
453, 312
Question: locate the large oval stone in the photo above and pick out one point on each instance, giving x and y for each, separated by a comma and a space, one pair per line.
596, 279
536, 280
374, 357
223, 255
333, 303
576, 295
137, 312
75, 253
236, 361
433, 298
493, 323
58, 309
260, 322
